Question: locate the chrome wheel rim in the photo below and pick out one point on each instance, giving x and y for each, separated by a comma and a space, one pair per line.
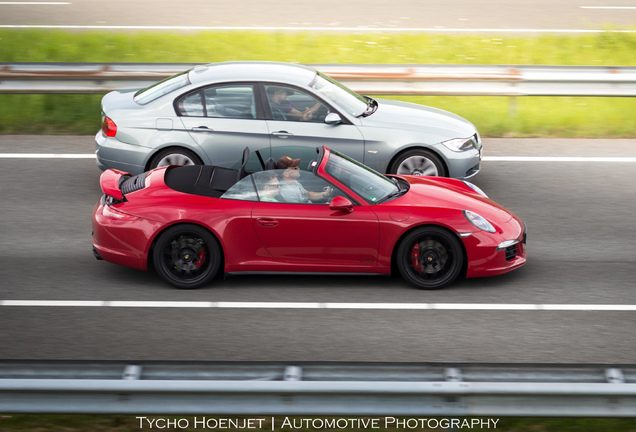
418, 165
175, 159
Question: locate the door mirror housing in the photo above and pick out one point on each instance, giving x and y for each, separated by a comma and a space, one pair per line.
340, 203
333, 119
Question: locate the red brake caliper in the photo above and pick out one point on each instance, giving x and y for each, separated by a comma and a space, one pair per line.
415, 258
201, 257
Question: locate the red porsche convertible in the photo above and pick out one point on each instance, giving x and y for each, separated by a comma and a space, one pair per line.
333, 215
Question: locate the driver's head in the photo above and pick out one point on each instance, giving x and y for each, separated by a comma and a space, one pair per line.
278, 94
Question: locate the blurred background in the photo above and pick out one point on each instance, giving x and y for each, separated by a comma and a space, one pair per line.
486, 32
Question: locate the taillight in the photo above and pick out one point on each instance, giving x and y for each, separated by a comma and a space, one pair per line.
112, 212
109, 128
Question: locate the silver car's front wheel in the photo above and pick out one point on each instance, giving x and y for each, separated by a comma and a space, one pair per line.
418, 162
174, 156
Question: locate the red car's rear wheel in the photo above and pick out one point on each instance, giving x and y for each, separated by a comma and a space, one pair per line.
187, 256
430, 258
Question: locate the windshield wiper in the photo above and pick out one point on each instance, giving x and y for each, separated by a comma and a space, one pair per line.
372, 106
401, 190
393, 194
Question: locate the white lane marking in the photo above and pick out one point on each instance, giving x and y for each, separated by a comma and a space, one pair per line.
338, 29
321, 305
58, 303
47, 155
557, 159
608, 7
35, 3
485, 159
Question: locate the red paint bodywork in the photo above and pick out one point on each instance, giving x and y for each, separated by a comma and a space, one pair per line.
277, 237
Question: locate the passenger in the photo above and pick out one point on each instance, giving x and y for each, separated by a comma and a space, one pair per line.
279, 100
268, 186
291, 189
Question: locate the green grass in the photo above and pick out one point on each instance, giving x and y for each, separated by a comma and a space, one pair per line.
614, 49
493, 116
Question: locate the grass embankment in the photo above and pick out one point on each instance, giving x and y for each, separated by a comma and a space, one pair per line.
494, 116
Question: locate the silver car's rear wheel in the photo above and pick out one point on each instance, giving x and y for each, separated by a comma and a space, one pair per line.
175, 156
418, 162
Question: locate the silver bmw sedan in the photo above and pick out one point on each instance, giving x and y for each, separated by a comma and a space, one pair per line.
210, 113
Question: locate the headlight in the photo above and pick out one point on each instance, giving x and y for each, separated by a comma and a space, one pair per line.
479, 221
459, 144
506, 244
475, 188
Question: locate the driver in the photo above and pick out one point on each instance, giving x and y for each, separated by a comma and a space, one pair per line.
279, 99
291, 189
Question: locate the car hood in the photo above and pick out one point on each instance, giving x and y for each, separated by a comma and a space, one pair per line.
451, 194
404, 115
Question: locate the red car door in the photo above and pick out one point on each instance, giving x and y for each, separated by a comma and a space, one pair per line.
315, 235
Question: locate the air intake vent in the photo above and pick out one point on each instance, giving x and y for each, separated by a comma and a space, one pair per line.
133, 184
511, 252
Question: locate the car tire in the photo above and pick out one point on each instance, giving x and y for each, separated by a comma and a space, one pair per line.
430, 258
187, 256
418, 162
174, 156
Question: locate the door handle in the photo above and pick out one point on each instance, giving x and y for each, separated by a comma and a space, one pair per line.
282, 134
202, 129
267, 222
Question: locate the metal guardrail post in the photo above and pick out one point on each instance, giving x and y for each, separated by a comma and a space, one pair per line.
319, 389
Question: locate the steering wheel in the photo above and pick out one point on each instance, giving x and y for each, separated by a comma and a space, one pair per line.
322, 113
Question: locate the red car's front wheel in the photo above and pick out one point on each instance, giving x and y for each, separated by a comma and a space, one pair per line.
430, 258
187, 256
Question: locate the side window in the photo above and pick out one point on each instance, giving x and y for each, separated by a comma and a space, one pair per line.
242, 191
290, 104
230, 101
191, 105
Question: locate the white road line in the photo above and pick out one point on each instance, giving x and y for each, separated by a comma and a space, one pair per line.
47, 156
485, 159
608, 7
321, 305
35, 3
558, 159
337, 29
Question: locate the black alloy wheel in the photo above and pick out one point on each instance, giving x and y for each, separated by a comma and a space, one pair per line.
430, 258
187, 256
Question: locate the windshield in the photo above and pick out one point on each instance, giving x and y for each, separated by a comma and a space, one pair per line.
345, 99
372, 186
161, 88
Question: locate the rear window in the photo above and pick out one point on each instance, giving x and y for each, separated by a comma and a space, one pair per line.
161, 88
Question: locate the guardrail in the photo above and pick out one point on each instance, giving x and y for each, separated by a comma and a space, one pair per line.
363, 389
367, 79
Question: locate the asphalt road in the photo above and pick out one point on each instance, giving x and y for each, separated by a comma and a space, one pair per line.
581, 251
462, 15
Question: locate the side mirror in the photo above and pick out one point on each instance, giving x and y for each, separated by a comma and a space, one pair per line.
340, 203
333, 119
